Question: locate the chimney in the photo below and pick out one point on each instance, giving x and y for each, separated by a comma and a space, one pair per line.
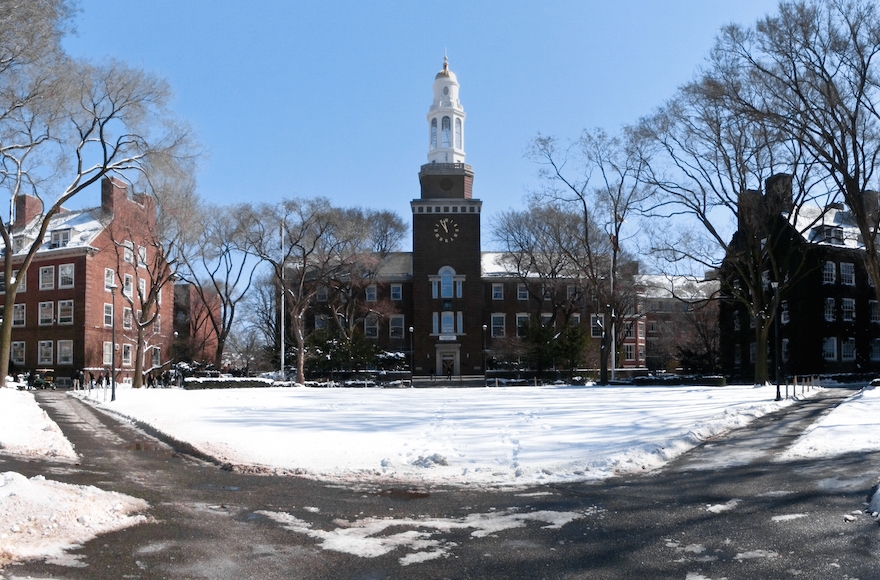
27, 207
778, 197
750, 212
113, 190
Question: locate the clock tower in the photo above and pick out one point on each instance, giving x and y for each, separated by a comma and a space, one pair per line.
447, 288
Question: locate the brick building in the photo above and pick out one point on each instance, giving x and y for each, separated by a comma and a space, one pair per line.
66, 309
829, 318
453, 306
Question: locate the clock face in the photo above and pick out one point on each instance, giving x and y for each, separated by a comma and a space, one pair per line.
446, 230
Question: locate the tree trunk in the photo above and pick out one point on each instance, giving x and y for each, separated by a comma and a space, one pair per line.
762, 331
138, 380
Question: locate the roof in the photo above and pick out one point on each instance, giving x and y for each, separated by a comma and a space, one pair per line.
84, 226
687, 288
832, 226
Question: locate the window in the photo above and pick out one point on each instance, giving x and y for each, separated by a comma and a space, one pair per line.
458, 133
371, 326
65, 352
142, 255
848, 309
321, 294
784, 316
65, 276
371, 293
571, 292
18, 315
522, 324
875, 349
628, 331
641, 352
828, 273
65, 312
445, 130
829, 348
785, 351
433, 133
497, 326
60, 239
23, 285
321, 322
46, 313
522, 292
44, 352
458, 288
108, 315
737, 358
848, 349
128, 285
109, 279
752, 352
17, 355
435, 323
847, 274
546, 319
2, 283
829, 310
459, 322
108, 354
126, 355
142, 289
157, 358
126, 318
641, 329
629, 351
447, 323
435, 288
396, 292
875, 311
575, 319
736, 323
157, 324
128, 252
395, 326
47, 278
497, 291
597, 325
446, 283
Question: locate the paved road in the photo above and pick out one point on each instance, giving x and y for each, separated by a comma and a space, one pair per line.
725, 510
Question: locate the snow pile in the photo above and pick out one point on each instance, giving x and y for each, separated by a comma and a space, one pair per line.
41, 518
852, 426
27, 430
491, 436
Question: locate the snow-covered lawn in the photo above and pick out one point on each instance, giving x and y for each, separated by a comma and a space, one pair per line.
489, 436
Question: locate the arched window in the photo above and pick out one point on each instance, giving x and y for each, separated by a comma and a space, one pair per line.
458, 133
445, 132
433, 133
446, 286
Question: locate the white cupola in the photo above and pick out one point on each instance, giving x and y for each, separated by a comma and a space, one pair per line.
446, 120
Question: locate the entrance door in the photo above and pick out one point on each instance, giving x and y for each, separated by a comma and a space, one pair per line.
447, 364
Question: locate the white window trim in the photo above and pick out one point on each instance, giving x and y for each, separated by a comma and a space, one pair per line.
65, 345
51, 284
61, 276
65, 302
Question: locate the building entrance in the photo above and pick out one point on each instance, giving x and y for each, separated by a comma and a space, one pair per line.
448, 362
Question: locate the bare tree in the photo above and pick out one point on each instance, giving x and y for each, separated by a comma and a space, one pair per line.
728, 191
214, 260
65, 124
602, 185
811, 72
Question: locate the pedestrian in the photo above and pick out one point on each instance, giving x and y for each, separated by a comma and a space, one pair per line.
75, 379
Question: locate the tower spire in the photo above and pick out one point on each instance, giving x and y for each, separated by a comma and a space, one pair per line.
446, 119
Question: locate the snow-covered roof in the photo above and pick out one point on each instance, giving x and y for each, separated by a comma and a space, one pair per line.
83, 225
685, 288
832, 226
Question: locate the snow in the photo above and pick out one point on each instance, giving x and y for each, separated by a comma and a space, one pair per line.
510, 436
40, 518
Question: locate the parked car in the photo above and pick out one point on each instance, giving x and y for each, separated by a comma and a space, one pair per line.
44, 379
874, 383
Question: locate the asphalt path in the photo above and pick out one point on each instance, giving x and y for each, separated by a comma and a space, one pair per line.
728, 509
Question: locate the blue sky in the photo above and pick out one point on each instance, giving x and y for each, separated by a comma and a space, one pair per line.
328, 98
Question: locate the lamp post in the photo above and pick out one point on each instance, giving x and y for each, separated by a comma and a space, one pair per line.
774, 286
113, 346
485, 371
412, 358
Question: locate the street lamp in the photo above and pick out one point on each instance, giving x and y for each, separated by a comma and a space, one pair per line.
412, 358
485, 373
774, 286
113, 346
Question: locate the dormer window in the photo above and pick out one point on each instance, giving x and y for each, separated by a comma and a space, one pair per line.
60, 238
829, 234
